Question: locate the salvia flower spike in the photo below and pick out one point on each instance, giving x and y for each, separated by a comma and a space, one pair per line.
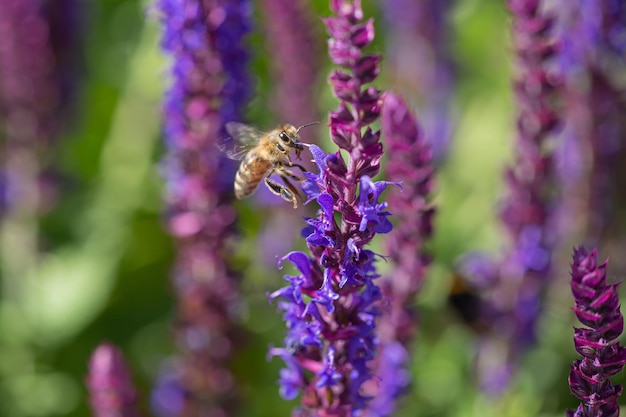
331, 304
209, 87
410, 161
597, 307
111, 390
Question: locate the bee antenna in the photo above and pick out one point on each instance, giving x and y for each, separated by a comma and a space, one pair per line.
306, 125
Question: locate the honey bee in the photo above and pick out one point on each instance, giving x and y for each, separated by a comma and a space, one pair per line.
263, 154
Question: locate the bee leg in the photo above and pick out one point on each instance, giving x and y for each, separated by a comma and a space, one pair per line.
285, 173
282, 170
300, 167
287, 193
291, 164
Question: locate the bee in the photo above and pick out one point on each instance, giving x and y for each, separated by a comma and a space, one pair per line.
263, 154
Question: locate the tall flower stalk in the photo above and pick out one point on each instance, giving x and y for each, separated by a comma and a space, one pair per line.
597, 307
409, 161
31, 93
331, 305
111, 389
527, 210
209, 87
514, 286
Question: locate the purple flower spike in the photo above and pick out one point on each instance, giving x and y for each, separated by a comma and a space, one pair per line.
359, 106
513, 287
597, 307
209, 87
410, 160
110, 385
332, 305
527, 212
38, 51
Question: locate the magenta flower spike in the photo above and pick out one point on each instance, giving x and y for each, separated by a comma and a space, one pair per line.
597, 307
409, 161
111, 390
210, 86
330, 306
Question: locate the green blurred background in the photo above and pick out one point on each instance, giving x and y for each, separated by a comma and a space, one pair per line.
103, 272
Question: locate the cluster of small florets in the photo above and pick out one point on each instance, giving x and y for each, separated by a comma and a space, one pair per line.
597, 307
331, 306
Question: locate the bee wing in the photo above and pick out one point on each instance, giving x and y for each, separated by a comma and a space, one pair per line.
242, 139
230, 148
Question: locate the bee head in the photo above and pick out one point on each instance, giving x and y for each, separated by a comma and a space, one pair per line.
289, 138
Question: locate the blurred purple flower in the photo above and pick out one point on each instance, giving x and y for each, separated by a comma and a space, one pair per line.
513, 287
167, 398
600, 30
604, 134
528, 209
330, 306
409, 161
37, 72
418, 36
111, 390
29, 91
393, 379
597, 307
210, 86
593, 58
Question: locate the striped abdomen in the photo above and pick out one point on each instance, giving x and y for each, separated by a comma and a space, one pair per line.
250, 173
